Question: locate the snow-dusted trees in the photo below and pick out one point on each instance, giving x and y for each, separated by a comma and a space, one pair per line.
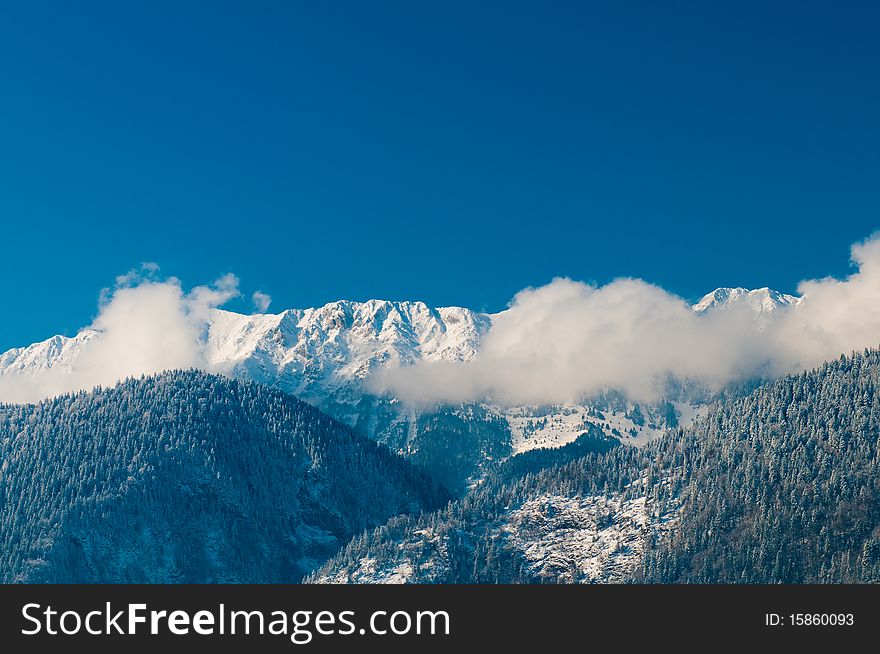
784, 484
780, 486
188, 477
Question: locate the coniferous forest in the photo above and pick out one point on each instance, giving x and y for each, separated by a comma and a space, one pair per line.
781, 486
189, 477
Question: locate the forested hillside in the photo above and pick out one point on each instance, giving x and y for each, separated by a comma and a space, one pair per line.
188, 477
782, 486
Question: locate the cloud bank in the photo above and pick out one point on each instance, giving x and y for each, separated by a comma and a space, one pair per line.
144, 325
555, 344
569, 340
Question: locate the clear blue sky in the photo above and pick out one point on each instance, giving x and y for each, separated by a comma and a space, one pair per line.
449, 152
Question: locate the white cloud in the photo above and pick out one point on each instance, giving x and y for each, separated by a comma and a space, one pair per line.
568, 340
557, 343
836, 316
144, 326
261, 301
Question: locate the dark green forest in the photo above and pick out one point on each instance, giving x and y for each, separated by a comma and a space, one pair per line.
780, 486
188, 477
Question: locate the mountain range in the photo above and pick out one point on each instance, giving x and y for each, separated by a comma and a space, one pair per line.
328, 355
190, 476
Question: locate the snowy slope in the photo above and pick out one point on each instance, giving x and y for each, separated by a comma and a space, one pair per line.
539, 427
57, 352
592, 539
761, 300
313, 351
558, 539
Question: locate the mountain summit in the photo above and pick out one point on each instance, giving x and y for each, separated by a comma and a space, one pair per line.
316, 351
761, 300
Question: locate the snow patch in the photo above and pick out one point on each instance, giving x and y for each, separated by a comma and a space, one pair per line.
593, 539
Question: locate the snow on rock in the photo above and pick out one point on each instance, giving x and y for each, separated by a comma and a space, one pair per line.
424, 551
593, 539
58, 352
340, 343
761, 300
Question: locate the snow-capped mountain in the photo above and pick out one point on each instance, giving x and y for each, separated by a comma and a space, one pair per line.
325, 348
761, 300
325, 355
319, 351
58, 352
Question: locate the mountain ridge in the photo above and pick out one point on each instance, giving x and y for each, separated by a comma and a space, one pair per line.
374, 333
761, 300
327, 355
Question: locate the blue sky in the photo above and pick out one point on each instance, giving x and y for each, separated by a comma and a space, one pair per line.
447, 152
